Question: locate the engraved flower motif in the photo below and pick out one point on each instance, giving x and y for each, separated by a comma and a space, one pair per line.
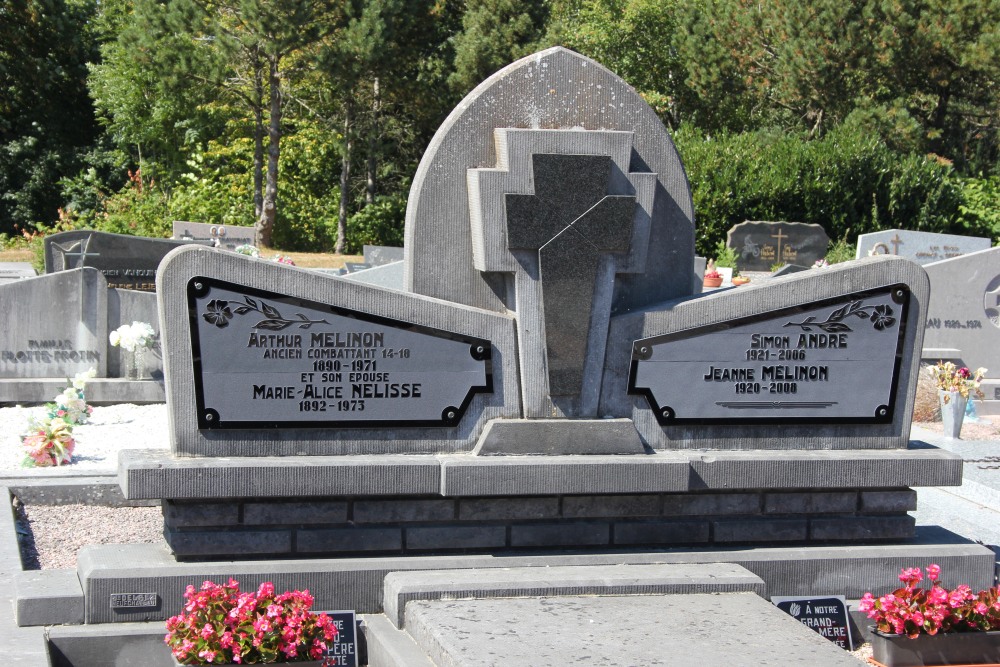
218, 313
882, 317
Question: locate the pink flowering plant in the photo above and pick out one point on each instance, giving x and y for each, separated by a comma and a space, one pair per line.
913, 611
220, 625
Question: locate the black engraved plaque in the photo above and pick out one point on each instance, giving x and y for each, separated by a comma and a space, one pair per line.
265, 360
833, 361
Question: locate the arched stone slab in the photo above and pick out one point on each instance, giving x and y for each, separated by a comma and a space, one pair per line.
552, 89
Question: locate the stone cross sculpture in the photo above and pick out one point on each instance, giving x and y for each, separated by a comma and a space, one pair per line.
564, 243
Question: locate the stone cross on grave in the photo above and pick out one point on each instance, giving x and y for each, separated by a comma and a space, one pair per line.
896, 242
564, 214
78, 250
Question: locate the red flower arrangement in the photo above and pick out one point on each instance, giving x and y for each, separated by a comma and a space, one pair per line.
220, 625
912, 611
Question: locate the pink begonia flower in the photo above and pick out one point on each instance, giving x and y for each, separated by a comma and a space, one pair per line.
917, 618
980, 608
266, 590
938, 595
208, 655
933, 571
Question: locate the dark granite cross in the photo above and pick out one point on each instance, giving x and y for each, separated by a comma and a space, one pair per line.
570, 221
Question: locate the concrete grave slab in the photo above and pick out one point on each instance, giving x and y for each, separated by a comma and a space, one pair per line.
13, 271
57, 326
920, 247
403, 588
676, 630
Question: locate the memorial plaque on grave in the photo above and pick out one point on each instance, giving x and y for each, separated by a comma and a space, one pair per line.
343, 651
221, 236
921, 247
761, 245
127, 262
266, 360
827, 616
835, 361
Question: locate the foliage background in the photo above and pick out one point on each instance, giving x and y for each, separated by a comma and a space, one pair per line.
125, 115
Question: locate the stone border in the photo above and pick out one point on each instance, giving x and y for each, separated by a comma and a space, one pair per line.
145, 474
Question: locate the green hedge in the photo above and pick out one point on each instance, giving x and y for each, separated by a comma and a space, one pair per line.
848, 182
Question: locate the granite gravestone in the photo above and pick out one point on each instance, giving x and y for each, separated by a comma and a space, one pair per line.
14, 271
220, 236
127, 262
761, 245
921, 247
522, 333
963, 318
57, 325
826, 615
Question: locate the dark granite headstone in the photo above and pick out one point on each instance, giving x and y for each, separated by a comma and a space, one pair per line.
14, 271
344, 651
761, 245
127, 262
221, 236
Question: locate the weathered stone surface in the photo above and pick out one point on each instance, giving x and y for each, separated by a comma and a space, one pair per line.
551, 90
65, 336
964, 309
920, 247
559, 436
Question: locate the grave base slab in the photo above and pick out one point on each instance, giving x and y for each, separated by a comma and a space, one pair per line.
357, 583
100, 391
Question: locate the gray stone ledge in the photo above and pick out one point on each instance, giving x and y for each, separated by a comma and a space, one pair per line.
146, 475
515, 582
547, 475
356, 583
100, 391
389, 646
47, 597
559, 437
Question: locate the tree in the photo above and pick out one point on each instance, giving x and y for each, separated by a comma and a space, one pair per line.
46, 119
633, 39
494, 34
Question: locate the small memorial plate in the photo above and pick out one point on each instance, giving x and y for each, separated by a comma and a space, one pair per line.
265, 360
134, 601
832, 361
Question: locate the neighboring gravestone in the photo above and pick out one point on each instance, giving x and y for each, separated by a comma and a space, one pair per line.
964, 313
761, 245
921, 247
14, 271
378, 255
56, 325
220, 236
127, 262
